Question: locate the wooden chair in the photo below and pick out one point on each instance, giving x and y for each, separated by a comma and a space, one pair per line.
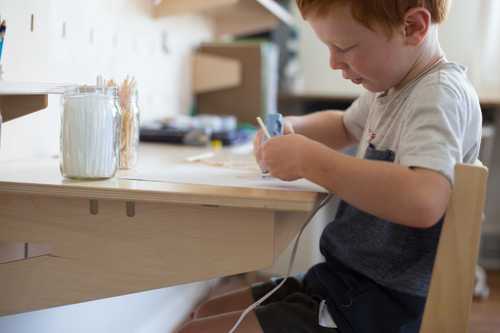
450, 293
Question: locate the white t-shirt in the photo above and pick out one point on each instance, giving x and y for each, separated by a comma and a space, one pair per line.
434, 122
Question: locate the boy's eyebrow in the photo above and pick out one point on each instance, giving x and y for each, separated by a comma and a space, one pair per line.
342, 40
339, 41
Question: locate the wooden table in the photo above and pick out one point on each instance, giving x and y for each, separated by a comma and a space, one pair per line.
145, 235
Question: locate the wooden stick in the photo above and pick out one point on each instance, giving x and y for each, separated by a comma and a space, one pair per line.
199, 157
254, 175
261, 123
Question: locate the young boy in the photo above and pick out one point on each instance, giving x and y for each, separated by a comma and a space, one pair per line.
418, 118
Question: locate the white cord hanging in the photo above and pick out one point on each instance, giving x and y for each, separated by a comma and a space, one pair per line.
292, 259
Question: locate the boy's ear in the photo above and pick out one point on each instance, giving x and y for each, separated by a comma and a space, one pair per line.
417, 21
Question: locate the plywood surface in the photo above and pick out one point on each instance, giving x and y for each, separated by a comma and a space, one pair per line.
111, 254
212, 73
30, 88
248, 96
243, 18
449, 299
175, 233
171, 7
42, 177
16, 106
231, 17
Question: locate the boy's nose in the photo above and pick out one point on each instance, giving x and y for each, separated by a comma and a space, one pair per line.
336, 63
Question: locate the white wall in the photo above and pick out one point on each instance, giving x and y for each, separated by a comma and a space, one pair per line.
319, 78
113, 38
156, 311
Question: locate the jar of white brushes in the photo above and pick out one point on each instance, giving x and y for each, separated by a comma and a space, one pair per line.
90, 132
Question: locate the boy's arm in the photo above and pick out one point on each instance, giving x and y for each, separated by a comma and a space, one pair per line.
326, 127
415, 197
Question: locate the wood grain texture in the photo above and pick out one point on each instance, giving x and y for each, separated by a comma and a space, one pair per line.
11, 251
15, 106
111, 254
179, 233
171, 7
231, 17
449, 299
248, 96
211, 73
242, 18
288, 225
42, 177
30, 88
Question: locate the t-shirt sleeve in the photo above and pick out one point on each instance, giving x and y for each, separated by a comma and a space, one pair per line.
435, 130
356, 115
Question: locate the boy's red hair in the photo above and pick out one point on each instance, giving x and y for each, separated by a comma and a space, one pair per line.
387, 13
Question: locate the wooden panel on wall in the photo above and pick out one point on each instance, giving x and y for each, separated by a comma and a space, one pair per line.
246, 101
213, 73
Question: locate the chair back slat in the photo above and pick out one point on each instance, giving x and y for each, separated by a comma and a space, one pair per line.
450, 293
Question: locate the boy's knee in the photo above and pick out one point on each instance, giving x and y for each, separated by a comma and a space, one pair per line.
206, 309
233, 301
190, 327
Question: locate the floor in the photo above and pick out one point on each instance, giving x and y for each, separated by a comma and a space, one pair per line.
484, 315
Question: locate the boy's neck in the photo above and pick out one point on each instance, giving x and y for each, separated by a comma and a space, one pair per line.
428, 55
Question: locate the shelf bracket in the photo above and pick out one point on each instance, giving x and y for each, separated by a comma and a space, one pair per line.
15, 106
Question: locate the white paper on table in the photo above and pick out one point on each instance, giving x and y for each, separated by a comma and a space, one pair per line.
190, 174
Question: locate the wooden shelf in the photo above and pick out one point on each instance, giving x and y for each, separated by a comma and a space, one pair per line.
231, 17
18, 99
30, 88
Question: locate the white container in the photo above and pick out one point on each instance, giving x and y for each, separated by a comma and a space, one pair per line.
90, 132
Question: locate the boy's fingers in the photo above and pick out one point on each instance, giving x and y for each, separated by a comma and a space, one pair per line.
259, 135
287, 128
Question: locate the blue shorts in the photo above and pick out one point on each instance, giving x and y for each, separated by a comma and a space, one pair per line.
292, 308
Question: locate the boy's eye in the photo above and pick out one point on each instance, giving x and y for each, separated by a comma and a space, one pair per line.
343, 50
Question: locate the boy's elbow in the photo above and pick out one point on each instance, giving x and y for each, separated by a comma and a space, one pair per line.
429, 214
428, 220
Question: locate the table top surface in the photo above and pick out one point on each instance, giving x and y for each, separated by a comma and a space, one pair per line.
30, 88
42, 177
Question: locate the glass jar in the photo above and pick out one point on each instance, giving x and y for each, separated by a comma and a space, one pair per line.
129, 152
90, 132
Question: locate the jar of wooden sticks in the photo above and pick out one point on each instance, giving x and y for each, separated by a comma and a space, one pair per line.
129, 150
129, 155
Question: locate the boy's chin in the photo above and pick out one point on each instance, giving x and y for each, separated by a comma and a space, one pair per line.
373, 88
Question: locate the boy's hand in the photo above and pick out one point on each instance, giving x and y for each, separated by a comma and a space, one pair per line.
283, 156
287, 129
